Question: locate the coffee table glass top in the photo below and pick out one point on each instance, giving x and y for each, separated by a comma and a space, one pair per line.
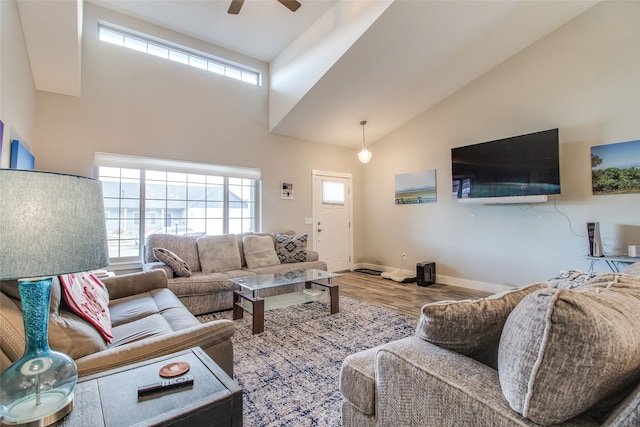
273, 280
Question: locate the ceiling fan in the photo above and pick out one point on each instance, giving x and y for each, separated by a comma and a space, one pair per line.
236, 5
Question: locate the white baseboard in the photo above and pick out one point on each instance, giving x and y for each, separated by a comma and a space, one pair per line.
472, 284
446, 280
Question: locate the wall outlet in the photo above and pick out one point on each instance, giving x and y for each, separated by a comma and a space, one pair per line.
404, 255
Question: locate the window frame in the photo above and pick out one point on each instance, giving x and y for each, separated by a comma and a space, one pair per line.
226, 176
184, 55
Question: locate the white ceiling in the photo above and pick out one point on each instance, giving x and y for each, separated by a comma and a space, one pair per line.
415, 54
261, 30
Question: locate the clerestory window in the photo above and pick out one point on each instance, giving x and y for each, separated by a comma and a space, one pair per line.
173, 52
143, 196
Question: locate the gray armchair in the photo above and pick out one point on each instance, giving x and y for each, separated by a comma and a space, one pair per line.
546, 354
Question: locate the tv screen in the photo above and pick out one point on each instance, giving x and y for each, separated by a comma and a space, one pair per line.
524, 165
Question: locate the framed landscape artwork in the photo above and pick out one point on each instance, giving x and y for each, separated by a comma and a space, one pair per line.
615, 168
21, 157
1, 139
416, 187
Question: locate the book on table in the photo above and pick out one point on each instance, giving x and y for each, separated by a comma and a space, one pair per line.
313, 292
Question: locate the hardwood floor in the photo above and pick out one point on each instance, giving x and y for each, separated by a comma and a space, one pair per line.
405, 298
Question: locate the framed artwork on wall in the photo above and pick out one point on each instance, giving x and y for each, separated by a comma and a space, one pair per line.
615, 168
1, 139
21, 157
286, 191
416, 187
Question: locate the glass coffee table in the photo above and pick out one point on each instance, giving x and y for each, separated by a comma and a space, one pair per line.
312, 285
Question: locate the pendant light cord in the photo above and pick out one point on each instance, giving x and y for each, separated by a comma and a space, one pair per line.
364, 144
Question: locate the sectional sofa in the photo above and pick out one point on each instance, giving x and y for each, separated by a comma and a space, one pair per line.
199, 268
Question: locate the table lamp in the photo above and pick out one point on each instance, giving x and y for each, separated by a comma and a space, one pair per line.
50, 224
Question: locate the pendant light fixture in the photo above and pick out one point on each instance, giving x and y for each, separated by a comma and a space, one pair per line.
364, 155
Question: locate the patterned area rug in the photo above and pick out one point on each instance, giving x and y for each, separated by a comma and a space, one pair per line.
290, 373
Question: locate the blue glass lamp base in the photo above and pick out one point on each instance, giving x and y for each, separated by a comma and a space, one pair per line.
37, 389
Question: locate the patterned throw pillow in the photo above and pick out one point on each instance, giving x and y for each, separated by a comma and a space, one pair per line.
291, 248
88, 297
570, 279
177, 264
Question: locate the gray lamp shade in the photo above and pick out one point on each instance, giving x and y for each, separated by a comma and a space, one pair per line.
50, 224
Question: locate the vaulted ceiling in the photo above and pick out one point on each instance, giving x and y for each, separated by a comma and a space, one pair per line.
333, 63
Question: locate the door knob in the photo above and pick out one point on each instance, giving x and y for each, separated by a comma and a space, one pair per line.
319, 230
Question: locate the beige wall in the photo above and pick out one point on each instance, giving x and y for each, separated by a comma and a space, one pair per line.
137, 104
17, 91
584, 79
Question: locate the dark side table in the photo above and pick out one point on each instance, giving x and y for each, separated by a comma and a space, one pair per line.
111, 398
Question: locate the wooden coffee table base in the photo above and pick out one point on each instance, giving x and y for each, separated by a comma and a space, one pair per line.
258, 304
258, 310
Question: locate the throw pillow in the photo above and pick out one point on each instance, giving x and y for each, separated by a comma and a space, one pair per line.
632, 270
291, 248
471, 327
68, 333
177, 264
563, 351
219, 253
88, 297
259, 251
570, 279
186, 247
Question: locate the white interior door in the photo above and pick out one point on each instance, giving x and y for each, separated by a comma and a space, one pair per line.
332, 217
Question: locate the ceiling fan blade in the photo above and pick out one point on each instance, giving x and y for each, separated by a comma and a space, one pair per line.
292, 5
235, 6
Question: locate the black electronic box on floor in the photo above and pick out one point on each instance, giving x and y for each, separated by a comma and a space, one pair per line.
426, 273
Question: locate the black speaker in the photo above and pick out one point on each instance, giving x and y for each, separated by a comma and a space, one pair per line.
426, 273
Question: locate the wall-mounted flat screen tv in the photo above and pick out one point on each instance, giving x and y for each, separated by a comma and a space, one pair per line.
524, 165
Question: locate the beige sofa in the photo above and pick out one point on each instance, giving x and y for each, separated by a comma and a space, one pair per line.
200, 274
147, 321
562, 352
